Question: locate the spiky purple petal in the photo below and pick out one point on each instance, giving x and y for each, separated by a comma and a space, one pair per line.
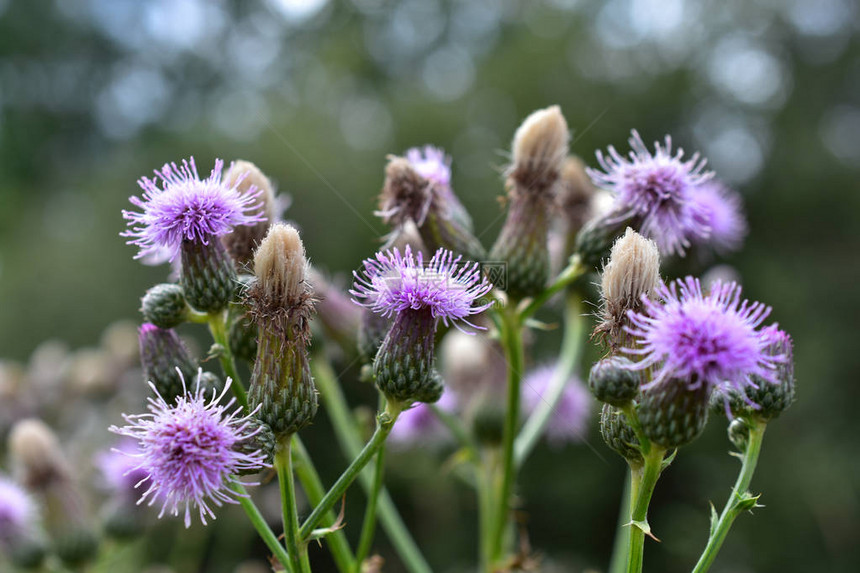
392, 283
703, 338
189, 452
721, 211
658, 189
177, 205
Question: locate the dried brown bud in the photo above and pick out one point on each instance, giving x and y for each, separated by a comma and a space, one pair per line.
633, 270
243, 240
539, 149
406, 195
281, 267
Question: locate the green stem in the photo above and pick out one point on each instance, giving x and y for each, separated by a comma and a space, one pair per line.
218, 326
259, 523
513, 344
368, 528
384, 423
348, 436
485, 474
740, 499
571, 347
644, 478
312, 484
622, 536
573, 271
296, 547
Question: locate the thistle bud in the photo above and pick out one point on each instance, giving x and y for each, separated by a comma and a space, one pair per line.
539, 148
673, 413
633, 270
210, 384
242, 241
281, 383
613, 381
619, 435
36, 455
574, 197
418, 189
164, 306
259, 438
166, 360
208, 276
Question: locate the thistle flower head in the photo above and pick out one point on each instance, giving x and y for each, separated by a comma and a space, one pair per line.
281, 267
18, 511
569, 420
539, 148
190, 452
431, 163
393, 283
658, 189
709, 339
720, 210
178, 206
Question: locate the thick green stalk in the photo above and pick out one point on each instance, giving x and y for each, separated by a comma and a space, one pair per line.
348, 434
219, 326
259, 523
312, 484
485, 473
513, 344
740, 499
296, 547
384, 424
644, 478
368, 528
571, 347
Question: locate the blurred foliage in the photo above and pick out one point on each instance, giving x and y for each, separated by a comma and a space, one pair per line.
96, 93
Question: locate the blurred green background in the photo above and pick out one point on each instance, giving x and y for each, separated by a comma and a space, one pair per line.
96, 93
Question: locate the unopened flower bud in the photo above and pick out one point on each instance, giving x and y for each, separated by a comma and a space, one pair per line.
208, 276
242, 241
574, 197
418, 189
166, 361
633, 270
672, 413
259, 438
164, 306
243, 339
36, 455
539, 148
611, 380
619, 435
281, 302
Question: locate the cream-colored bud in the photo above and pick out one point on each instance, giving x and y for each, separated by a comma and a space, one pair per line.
243, 239
281, 266
36, 454
539, 149
575, 194
633, 270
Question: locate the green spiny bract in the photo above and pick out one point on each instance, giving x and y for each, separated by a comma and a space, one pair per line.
164, 305
618, 434
612, 381
208, 275
672, 413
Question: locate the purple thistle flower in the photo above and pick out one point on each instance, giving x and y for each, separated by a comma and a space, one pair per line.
703, 339
18, 511
184, 207
393, 283
657, 189
720, 210
190, 452
419, 424
431, 163
569, 421
120, 469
